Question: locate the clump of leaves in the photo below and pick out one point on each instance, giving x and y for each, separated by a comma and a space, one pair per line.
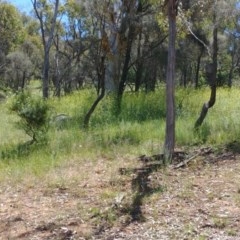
34, 115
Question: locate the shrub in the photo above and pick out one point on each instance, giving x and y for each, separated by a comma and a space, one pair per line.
34, 115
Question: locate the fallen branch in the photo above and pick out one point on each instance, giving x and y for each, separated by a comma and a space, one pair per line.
185, 162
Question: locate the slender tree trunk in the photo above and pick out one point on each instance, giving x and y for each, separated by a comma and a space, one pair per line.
230, 75
101, 78
198, 68
183, 81
45, 78
57, 70
170, 85
23, 80
212, 78
47, 39
139, 73
139, 65
123, 80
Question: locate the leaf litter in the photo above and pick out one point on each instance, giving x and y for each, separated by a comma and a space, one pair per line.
122, 199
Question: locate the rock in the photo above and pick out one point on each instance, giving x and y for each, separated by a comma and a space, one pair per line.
61, 120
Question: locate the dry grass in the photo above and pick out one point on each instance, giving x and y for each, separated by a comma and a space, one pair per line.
90, 199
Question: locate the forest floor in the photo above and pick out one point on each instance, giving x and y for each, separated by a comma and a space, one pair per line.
120, 199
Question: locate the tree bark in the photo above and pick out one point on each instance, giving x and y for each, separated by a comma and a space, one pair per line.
114, 59
170, 85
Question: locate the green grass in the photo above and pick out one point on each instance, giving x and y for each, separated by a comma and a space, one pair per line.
8, 128
139, 129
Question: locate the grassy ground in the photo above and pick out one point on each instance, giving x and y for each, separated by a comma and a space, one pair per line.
91, 185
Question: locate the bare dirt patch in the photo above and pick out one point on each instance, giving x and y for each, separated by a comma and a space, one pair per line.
95, 200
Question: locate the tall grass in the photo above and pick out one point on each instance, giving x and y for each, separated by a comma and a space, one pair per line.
139, 129
8, 128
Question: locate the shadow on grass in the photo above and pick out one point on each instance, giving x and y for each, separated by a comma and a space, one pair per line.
141, 185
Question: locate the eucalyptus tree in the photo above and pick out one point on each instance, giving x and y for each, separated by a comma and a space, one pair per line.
148, 58
193, 43
47, 14
219, 13
32, 45
11, 31
232, 33
117, 24
172, 8
11, 27
73, 47
131, 27
234, 53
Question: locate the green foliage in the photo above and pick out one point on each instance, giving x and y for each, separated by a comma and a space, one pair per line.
18, 70
12, 151
203, 133
222, 78
123, 133
136, 107
34, 115
11, 30
144, 106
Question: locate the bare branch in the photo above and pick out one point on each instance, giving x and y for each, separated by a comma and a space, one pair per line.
188, 25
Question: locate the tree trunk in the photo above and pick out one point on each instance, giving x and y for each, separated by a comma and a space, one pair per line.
139, 65
211, 72
139, 73
57, 82
183, 80
45, 79
113, 63
123, 80
150, 77
198, 68
230, 75
170, 85
47, 39
101, 78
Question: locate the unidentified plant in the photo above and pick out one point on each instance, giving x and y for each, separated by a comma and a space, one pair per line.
34, 115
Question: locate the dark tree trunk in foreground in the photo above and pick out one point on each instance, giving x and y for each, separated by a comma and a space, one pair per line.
170, 98
211, 72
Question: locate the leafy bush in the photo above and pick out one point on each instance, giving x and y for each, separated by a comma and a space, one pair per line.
34, 115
